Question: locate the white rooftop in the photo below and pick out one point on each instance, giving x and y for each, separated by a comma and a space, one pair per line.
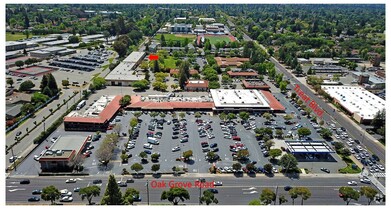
124, 72
134, 57
238, 98
357, 100
95, 109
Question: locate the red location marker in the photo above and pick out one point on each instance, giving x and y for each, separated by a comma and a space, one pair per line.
153, 57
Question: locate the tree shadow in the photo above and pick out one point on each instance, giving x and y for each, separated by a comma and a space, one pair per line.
157, 175
238, 174
138, 175
190, 162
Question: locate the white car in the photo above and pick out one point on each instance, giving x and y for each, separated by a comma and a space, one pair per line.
365, 180
176, 149
148, 146
66, 199
227, 136
65, 192
70, 181
217, 183
352, 183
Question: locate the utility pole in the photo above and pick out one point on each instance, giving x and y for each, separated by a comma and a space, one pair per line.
147, 185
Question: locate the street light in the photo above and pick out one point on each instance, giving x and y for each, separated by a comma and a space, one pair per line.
147, 185
13, 158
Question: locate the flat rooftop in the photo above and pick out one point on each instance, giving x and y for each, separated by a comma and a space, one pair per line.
311, 147
238, 98
65, 147
57, 42
100, 112
124, 72
356, 100
134, 57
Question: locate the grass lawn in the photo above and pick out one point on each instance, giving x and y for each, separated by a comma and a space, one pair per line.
170, 62
215, 39
14, 37
176, 37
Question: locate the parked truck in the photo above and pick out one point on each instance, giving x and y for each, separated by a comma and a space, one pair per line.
152, 140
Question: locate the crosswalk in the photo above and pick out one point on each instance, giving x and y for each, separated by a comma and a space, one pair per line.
379, 175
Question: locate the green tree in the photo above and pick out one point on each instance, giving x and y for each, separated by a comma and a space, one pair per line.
113, 195
279, 133
52, 84
19, 63
223, 116
255, 202
156, 67
268, 168
137, 114
288, 162
141, 84
269, 144
65, 83
326, 133
231, 116
175, 195
208, 197
155, 167
73, 39
50, 193
267, 196
379, 119
39, 98
237, 166
26, 86
89, 192
137, 167
120, 47
369, 192
124, 158
275, 153
243, 154
302, 132
304, 193
155, 157
125, 100
348, 193
99, 82
267, 116
244, 116
187, 154
197, 115
47, 91
182, 114
130, 195
10, 82
294, 193
27, 108
153, 114
282, 200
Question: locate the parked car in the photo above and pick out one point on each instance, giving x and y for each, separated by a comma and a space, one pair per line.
34, 199
325, 170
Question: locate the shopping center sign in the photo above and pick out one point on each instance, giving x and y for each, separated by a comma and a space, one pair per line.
310, 103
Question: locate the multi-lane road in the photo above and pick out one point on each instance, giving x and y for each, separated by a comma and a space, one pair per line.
235, 191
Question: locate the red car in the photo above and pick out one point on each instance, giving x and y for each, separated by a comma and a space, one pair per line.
110, 127
236, 138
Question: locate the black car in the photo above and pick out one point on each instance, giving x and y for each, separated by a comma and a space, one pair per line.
213, 145
287, 188
174, 137
26, 181
130, 181
213, 191
97, 181
215, 149
34, 199
175, 132
325, 170
375, 157
18, 133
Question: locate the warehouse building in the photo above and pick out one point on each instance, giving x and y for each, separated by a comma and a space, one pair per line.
124, 74
361, 104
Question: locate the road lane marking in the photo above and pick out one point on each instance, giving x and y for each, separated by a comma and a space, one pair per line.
13, 190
